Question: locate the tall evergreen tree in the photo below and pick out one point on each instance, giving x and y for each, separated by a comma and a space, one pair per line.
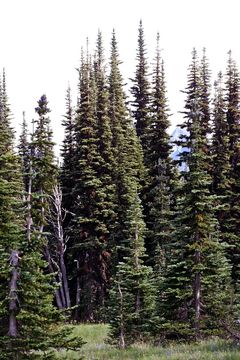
233, 116
141, 92
104, 133
128, 168
195, 292
67, 152
205, 97
24, 152
156, 194
44, 167
27, 315
89, 227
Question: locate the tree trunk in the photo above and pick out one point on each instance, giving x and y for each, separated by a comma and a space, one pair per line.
197, 296
65, 281
13, 303
78, 295
121, 335
57, 223
51, 270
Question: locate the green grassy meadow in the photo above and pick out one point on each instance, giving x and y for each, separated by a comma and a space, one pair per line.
97, 348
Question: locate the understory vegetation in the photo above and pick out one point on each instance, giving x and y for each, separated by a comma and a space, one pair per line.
98, 348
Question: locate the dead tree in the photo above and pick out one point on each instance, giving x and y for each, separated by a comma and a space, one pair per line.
56, 257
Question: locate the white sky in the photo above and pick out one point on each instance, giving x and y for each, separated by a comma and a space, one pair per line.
41, 43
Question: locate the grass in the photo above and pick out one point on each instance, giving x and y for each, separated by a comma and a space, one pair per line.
97, 349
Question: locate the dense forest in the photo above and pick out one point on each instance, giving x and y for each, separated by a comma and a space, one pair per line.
120, 231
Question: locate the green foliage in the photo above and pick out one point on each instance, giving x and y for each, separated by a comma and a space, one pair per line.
156, 193
29, 321
141, 91
196, 291
132, 295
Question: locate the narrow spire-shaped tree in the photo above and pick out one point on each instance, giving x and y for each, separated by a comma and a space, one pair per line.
128, 168
104, 133
89, 229
141, 92
233, 120
44, 168
205, 96
68, 165
24, 152
195, 292
156, 194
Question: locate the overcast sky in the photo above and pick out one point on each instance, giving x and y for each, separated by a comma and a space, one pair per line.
41, 43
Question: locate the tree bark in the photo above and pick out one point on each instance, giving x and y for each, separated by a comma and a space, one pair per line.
78, 295
136, 257
121, 335
57, 223
51, 270
13, 303
197, 295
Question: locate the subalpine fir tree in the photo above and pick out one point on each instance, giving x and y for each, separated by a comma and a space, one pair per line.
89, 233
104, 133
221, 183
132, 297
43, 182
141, 92
205, 97
156, 193
24, 152
68, 152
43, 164
27, 315
195, 293
233, 115
128, 169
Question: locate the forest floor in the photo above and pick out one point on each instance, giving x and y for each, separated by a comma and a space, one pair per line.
96, 348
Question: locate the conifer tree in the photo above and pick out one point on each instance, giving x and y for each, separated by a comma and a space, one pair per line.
44, 168
128, 169
141, 92
24, 152
222, 182
233, 114
195, 292
27, 314
205, 97
133, 294
156, 193
68, 152
89, 228
104, 133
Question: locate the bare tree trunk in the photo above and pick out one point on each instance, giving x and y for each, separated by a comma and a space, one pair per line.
121, 335
13, 303
65, 281
51, 270
57, 223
